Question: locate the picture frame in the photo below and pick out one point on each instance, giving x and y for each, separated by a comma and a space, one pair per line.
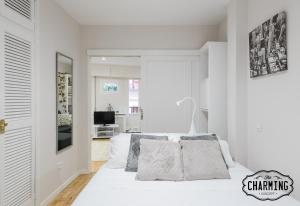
110, 87
268, 46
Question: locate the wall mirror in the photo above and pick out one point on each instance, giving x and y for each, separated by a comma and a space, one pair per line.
64, 101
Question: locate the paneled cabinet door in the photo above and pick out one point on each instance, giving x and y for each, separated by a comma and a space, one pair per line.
164, 81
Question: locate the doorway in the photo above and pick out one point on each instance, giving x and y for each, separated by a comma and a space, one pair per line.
115, 101
166, 76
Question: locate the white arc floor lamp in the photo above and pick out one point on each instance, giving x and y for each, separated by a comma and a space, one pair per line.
192, 128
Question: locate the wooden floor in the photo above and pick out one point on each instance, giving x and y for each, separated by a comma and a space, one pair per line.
69, 194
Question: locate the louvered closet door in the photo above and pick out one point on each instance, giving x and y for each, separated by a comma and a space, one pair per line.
16, 107
19, 11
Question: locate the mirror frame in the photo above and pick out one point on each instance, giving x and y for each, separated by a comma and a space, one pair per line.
56, 99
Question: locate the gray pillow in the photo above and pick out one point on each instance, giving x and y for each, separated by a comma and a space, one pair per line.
134, 150
203, 160
159, 160
202, 137
211, 137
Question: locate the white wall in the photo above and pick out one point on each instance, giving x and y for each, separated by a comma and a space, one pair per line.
115, 71
147, 37
119, 100
58, 32
274, 100
217, 97
269, 102
222, 30
237, 78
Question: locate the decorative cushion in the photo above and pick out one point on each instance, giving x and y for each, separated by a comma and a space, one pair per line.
134, 150
119, 151
159, 160
202, 159
200, 137
223, 144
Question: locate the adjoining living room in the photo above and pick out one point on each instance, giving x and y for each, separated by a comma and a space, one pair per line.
115, 104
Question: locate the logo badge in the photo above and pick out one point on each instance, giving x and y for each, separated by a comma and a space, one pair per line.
268, 185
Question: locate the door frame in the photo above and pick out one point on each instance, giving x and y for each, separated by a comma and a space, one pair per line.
122, 53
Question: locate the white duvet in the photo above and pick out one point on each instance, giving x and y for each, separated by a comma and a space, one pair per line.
115, 187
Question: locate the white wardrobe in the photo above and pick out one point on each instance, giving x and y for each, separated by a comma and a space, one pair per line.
17, 158
213, 87
164, 81
167, 79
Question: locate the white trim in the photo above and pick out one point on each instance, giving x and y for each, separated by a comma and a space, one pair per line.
84, 172
1, 108
36, 91
53, 195
123, 61
206, 46
138, 52
89, 112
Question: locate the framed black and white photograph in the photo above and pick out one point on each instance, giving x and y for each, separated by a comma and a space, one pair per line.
268, 46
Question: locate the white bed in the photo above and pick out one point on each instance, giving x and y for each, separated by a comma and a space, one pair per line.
115, 187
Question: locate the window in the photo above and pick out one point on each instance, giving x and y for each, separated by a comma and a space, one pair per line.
134, 85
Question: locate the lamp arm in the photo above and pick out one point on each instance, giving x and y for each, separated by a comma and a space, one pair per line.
192, 129
194, 104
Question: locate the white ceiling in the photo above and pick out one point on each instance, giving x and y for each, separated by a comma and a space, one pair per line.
146, 12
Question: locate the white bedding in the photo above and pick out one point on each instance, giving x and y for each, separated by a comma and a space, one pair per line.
115, 187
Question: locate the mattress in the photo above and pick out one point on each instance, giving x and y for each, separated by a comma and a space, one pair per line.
115, 187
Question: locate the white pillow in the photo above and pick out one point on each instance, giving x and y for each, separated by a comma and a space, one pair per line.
119, 151
226, 153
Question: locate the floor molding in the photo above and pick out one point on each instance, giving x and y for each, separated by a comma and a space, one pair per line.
52, 196
84, 172
72, 190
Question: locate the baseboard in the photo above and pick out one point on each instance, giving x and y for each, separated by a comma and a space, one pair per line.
84, 171
53, 195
